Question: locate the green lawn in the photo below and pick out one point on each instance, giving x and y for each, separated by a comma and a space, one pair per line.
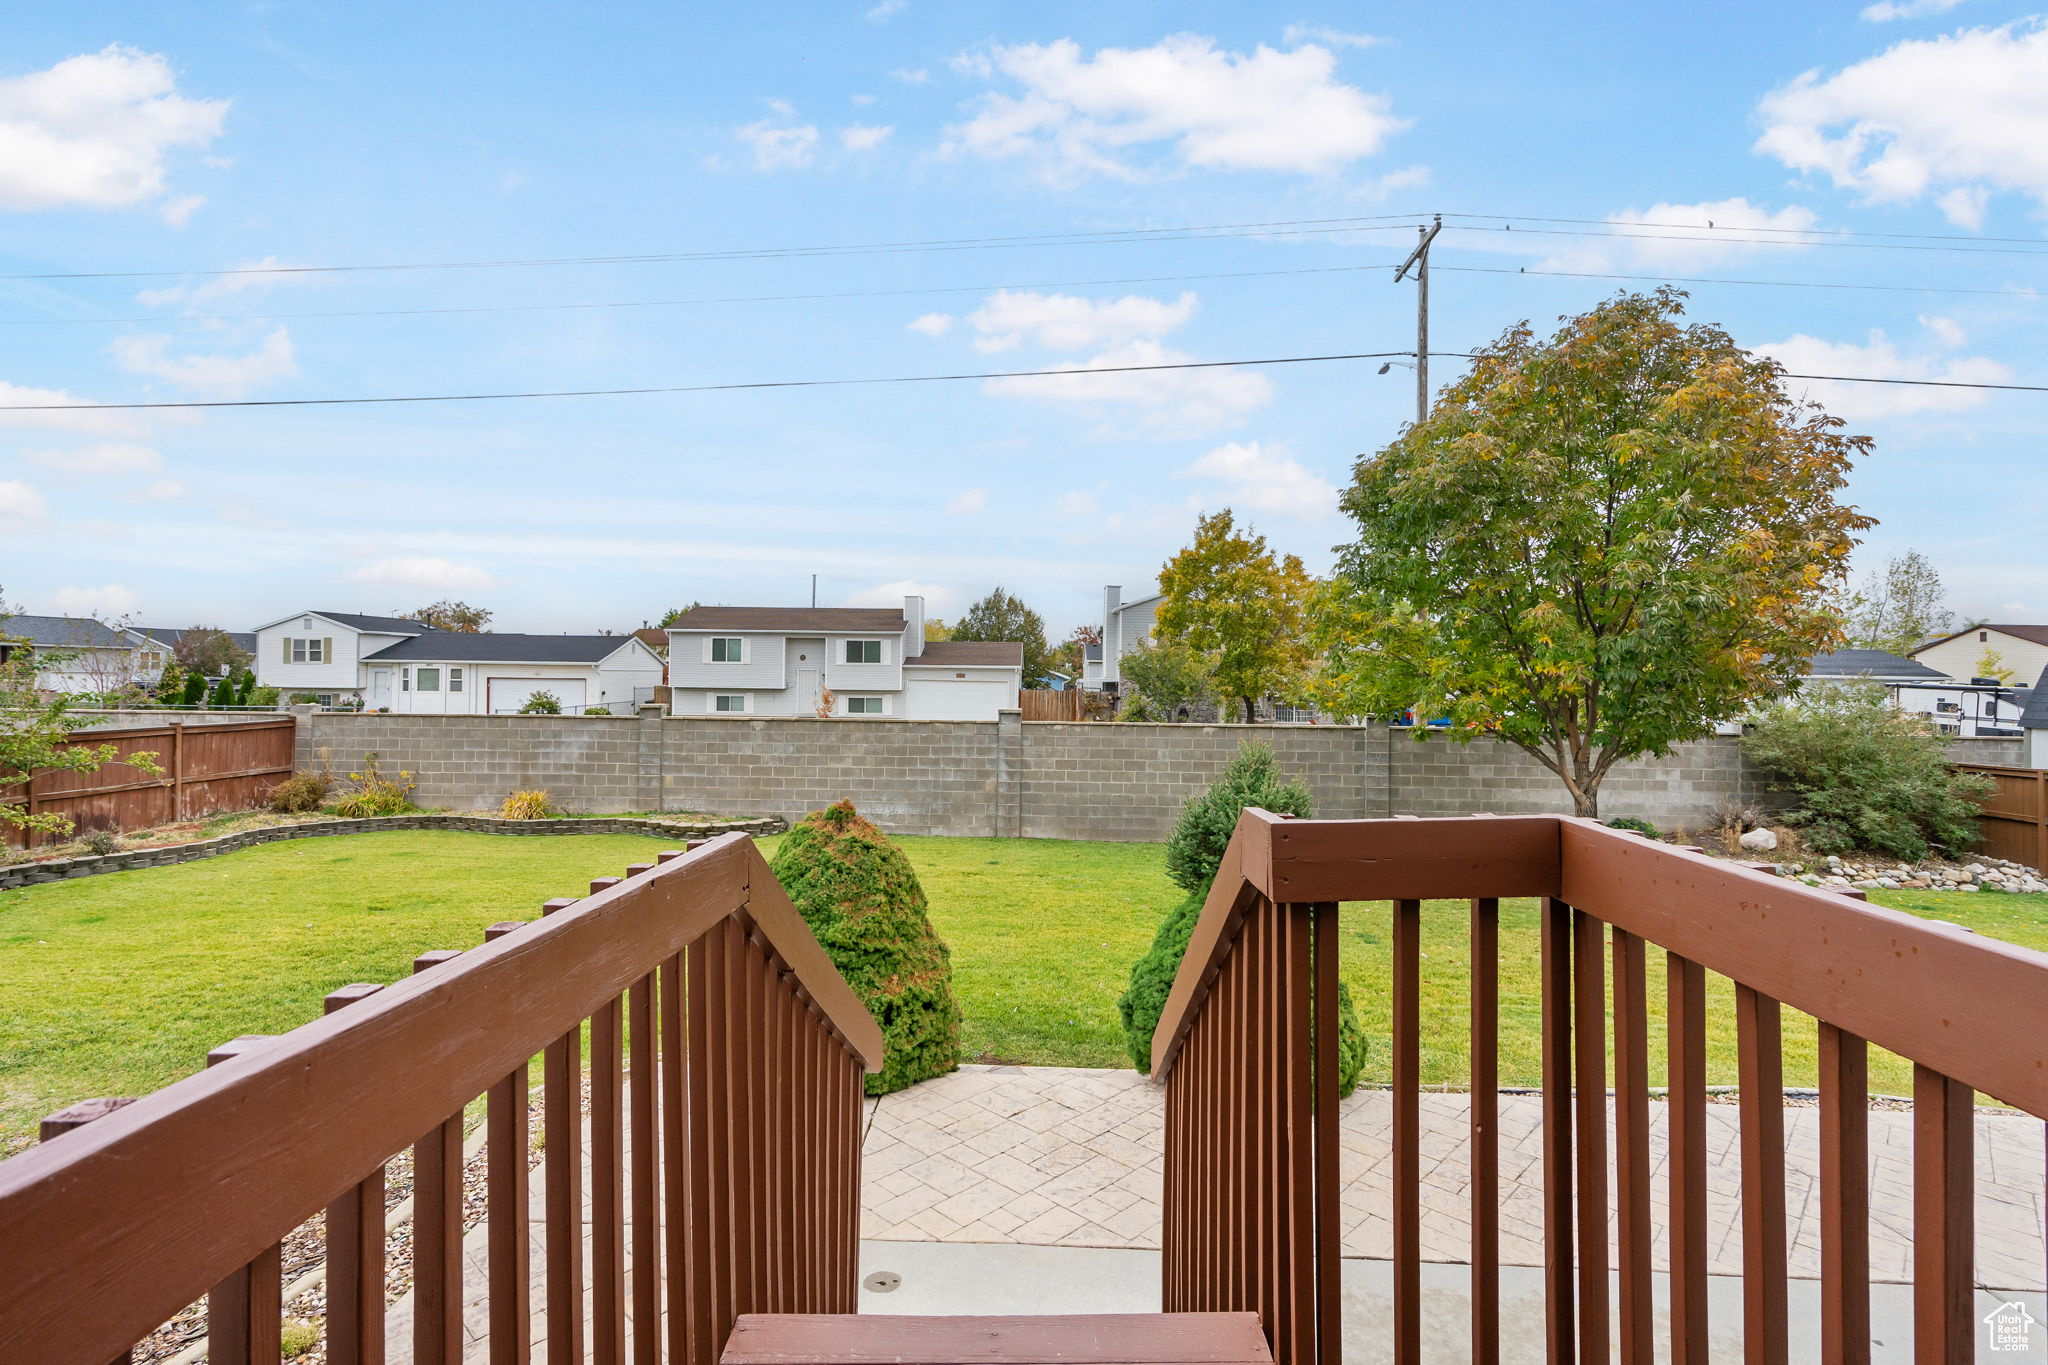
118, 984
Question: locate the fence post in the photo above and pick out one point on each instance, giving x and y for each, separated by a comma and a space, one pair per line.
177, 770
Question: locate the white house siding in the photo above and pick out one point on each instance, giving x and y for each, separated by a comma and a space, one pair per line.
942, 694
632, 672
689, 662
843, 677
341, 674
1958, 657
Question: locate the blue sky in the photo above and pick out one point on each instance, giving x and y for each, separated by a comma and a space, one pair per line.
156, 141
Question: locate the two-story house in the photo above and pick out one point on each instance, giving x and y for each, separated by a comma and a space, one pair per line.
390, 663
1125, 626
838, 661
82, 656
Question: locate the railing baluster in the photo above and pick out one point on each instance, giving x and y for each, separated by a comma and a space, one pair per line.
506, 1208
685, 1117
1559, 1330
1485, 1127
1943, 1220
1328, 1348
355, 1250
561, 1083
607, 1186
644, 1082
1299, 1120
1406, 1003
437, 1229
1589, 1002
76, 1116
1686, 1114
1844, 1197
245, 1311
1632, 1147
1270, 1232
1761, 1099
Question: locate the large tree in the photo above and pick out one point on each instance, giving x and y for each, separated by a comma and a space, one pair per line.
1001, 616
452, 615
1230, 598
1596, 546
1899, 608
210, 651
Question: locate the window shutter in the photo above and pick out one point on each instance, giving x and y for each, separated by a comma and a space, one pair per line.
286, 641
327, 651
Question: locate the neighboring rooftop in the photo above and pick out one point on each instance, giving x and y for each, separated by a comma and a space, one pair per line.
461, 647
2037, 634
63, 632
244, 639
968, 654
1870, 663
795, 620
2034, 706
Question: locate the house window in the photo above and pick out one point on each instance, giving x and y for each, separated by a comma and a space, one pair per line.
405, 680
454, 680
728, 650
306, 651
864, 706
1982, 636
429, 679
736, 701
863, 651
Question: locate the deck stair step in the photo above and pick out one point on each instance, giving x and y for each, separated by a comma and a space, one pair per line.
1048, 1339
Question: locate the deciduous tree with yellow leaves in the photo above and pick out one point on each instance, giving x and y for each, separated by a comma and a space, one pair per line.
1596, 546
1229, 598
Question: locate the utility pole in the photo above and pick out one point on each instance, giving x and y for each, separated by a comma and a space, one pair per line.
814, 590
1418, 260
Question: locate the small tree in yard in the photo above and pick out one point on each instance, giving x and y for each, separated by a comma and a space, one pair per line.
33, 732
1193, 853
1868, 775
459, 617
1596, 547
209, 651
1230, 598
859, 895
1160, 679
1898, 609
541, 704
1003, 617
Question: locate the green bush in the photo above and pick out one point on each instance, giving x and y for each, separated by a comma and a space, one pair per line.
223, 693
597, 710
1195, 849
1867, 775
376, 794
195, 690
1639, 826
859, 895
299, 793
1193, 854
542, 704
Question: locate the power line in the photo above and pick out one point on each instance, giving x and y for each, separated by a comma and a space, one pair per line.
2041, 250
889, 379
1776, 284
1749, 227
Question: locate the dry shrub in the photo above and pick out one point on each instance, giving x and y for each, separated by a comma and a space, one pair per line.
299, 793
526, 805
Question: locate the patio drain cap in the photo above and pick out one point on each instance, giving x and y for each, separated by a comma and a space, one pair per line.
882, 1282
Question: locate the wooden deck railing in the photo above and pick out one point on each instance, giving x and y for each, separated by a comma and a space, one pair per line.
1246, 1049
726, 1057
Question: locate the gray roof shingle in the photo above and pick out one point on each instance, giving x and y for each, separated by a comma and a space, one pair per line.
795, 620
968, 654
244, 639
461, 647
63, 632
1869, 663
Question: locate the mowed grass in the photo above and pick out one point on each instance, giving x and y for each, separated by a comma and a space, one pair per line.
119, 984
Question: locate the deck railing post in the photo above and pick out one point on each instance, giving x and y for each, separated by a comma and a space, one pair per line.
72, 1118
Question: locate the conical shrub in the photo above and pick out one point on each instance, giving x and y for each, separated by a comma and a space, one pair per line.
857, 892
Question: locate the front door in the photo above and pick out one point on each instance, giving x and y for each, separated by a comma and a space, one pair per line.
807, 691
380, 688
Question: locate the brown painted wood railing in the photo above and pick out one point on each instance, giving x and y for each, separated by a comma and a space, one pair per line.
1245, 1047
726, 1059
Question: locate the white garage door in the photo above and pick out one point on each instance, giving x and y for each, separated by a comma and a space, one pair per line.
507, 695
955, 698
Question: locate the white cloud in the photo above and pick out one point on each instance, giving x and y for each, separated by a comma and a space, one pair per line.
178, 212
423, 571
862, 99
1266, 111
1330, 37
1077, 503
864, 137
110, 602
933, 324
888, 9
1880, 358
1963, 112
20, 502
1674, 236
1169, 402
227, 376
1947, 331
163, 490
938, 601
1884, 11
262, 276
54, 416
779, 146
1062, 322
973, 500
919, 76
93, 131
1266, 479
112, 457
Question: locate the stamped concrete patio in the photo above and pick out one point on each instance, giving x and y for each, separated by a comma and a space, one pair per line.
1056, 1156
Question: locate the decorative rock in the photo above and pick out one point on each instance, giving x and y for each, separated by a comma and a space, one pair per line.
1762, 840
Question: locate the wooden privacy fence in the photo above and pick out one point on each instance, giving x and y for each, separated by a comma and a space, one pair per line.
726, 1063
1046, 704
1246, 1049
2014, 821
206, 768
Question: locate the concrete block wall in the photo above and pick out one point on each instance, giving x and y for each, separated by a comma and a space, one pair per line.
1434, 775
589, 763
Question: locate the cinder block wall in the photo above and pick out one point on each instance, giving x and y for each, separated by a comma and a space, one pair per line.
1051, 780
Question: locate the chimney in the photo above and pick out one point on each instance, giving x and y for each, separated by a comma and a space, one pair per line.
1112, 633
913, 626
